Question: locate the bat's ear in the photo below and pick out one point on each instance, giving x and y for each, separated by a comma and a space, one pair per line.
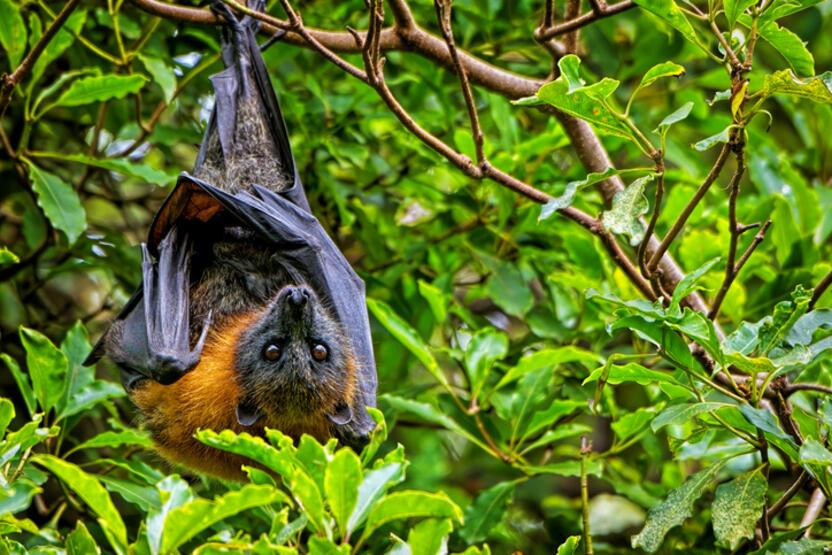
352, 424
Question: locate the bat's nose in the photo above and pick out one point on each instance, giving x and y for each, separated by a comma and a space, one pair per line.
297, 296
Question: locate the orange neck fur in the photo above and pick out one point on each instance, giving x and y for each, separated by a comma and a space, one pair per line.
206, 398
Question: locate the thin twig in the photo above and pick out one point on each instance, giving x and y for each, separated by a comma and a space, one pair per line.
585, 19
408, 36
795, 387
16, 77
820, 289
790, 492
692, 204
586, 450
443, 14
816, 504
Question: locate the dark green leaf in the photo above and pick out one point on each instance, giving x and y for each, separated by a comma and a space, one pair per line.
59, 202
486, 512
47, 367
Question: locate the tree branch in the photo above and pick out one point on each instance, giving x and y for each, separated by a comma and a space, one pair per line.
11, 81
820, 289
407, 35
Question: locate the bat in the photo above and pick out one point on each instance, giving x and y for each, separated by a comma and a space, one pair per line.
248, 316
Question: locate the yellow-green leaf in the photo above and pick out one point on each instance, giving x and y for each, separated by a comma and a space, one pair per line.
737, 508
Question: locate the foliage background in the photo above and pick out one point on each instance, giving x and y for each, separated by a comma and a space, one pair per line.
467, 287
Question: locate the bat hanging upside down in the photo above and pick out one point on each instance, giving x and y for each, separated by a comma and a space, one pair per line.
248, 316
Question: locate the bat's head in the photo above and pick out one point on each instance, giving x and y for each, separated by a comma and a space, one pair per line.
294, 362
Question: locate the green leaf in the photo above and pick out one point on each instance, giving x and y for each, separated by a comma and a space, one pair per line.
410, 504
144, 497
12, 32
764, 420
80, 542
486, 512
789, 45
631, 372
324, 546
162, 74
564, 200
23, 384
408, 337
308, 495
628, 206
813, 452
99, 88
735, 8
737, 508
90, 490
722, 137
189, 519
436, 300
548, 358
570, 546
142, 172
817, 88
173, 492
47, 367
431, 414
809, 323
672, 14
430, 537
59, 43
341, 483
674, 509
7, 257
375, 483
685, 412
508, 287
6, 415
486, 346
112, 438
583, 102
677, 116
659, 71
59, 202
254, 448
688, 283
635, 422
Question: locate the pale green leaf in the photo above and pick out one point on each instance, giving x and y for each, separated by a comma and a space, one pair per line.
674, 509
341, 482
628, 206
817, 88
737, 508
659, 71
162, 74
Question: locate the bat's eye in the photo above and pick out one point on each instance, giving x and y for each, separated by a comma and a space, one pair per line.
271, 352
319, 352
